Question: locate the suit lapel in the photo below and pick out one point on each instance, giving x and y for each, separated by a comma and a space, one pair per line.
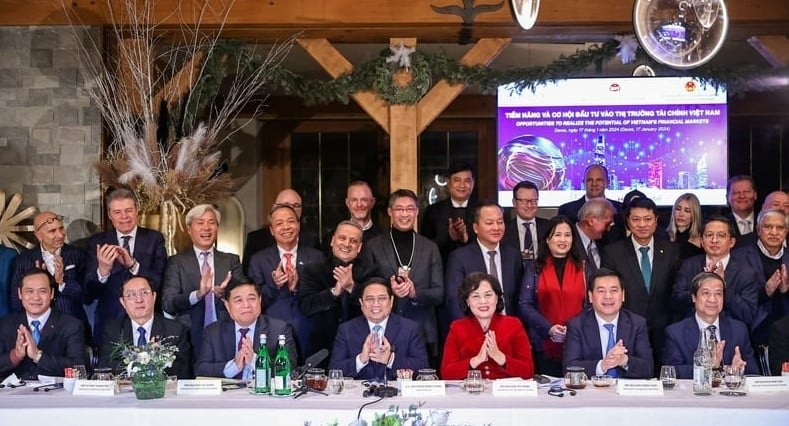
592, 331
228, 331
49, 330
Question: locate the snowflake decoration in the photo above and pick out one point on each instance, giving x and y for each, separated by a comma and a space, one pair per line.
401, 55
626, 51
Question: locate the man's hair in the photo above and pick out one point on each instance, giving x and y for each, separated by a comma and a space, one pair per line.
200, 210
136, 277
234, 284
120, 194
360, 183
38, 271
719, 218
603, 273
373, 281
641, 203
482, 204
402, 193
698, 280
596, 207
770, 213
349, 223
460, 166
738, 178
276, 207
524, 184
596, 166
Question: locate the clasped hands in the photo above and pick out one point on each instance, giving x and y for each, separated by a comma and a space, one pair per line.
457, 229
244, 355
616, 357
717, 356
207, 284
402, 286
373, 350
59, 272
343, 279
282, 276
779, 280
107, 254
557, 333
25, 344
489, 350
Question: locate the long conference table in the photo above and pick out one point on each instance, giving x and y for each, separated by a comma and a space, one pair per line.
591, 406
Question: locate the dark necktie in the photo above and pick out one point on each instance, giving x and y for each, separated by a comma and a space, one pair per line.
591, 252
492, 269
126, 239
646, 268
611, 342
243, 332
141, 341
711, 334
528, 243
36, 332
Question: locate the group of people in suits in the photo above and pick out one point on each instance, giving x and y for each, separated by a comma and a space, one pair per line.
473, 290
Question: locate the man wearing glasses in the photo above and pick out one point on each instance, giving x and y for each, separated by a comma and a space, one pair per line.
360, 201
141, 326
378, 343
63, 261
742, 284
526, 230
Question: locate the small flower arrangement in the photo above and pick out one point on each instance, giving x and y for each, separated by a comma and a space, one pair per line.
154, 356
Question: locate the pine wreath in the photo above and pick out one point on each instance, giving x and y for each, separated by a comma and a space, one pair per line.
391, 88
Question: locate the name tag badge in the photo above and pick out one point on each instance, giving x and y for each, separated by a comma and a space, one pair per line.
95, 388
509, 387
630, 387
767, 384
417, 388
204, 387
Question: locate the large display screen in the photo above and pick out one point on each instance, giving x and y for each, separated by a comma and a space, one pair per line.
661, 135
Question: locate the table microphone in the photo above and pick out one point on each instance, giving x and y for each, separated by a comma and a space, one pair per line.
310, 362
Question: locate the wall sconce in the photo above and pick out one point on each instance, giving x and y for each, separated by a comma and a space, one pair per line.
525, 12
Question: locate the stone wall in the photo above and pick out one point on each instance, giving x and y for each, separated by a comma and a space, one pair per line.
49, 130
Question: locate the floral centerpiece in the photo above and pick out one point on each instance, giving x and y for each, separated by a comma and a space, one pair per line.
145, 365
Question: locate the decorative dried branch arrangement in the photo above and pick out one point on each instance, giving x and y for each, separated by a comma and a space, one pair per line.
168, 96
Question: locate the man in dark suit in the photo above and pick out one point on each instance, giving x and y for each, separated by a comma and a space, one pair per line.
360, 201
732, 345
741, 196
483, 255
230, 345
742, 285
779, 345
596, 181
64, 262
276, 270
118, 254
140, 326
7, 258
594, 218
330, 289
377, 344
647, 265
39, 340
195, 279
592, 334
449, 222
413, 265
769, 259
526, 230
261, 238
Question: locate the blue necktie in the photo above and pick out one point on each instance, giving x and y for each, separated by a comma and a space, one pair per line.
141, 340
209, 313
378, 339
646, 268
611, 342
36, 332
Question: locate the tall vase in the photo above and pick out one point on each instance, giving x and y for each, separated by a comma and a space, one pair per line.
172, 224
149, 384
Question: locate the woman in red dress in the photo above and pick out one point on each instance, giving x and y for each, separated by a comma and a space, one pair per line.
485, 339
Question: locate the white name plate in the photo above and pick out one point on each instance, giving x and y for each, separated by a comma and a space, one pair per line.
423, 388
767, 384
205, 387
508, 387
95, 388
627, 387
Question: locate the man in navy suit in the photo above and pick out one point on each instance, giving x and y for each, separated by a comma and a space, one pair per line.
230, 345
141, 325
608, 339
276, 270
480, 256
377, 344
413, 265
769, 259
39, 340
195, 278
526, 230
594, 219
118, 254
647, 265
63, 261
742, 285
448, 222
732, 345
596, 182
741, 196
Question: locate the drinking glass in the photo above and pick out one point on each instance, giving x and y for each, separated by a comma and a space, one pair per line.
102, 374
335, 381
732, 378
668, 375
427, 374
474, 383
80, 372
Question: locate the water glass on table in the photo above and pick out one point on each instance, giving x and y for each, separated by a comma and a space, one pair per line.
335, 381
474, 383
733, 378
668, 376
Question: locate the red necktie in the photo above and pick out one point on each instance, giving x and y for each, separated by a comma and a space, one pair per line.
288, 262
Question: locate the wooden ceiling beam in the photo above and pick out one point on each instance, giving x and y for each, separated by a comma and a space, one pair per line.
774, 49
351, 20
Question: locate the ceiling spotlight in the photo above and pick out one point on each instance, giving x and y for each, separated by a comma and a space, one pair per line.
643, 71
525, 12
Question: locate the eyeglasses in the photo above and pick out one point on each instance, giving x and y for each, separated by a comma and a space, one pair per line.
380, 299
51, 220
410, 209
131, 295
713, 235
527, 201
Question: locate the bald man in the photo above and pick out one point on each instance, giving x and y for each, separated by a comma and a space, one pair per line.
777, 200
65, 262
260, 239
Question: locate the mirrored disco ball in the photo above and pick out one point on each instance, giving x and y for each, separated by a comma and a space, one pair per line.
681, 33
531, 158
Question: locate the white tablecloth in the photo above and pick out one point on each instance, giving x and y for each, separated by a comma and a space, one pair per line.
591, 406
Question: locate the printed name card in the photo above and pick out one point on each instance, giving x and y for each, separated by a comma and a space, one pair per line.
95, 388
767, 384
514, 388
417, 388
203, 387
639, 387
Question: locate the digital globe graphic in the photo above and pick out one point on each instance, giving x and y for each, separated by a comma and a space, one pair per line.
531, 158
